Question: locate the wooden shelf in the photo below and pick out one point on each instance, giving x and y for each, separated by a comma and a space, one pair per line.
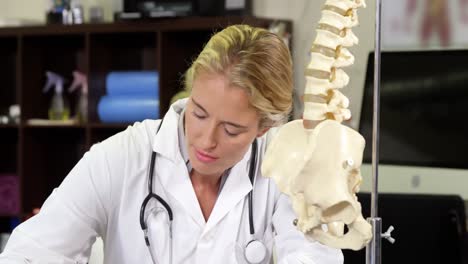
48, 155
163, 24
55, 126
9, 142
10, 216
8, 73
102, 131
42, 154
9, 126
109, 125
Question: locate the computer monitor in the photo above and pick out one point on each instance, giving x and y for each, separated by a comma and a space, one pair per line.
423, 108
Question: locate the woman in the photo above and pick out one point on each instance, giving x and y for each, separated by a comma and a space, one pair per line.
205, 147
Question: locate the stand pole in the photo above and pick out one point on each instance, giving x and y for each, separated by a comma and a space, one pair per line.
373, 249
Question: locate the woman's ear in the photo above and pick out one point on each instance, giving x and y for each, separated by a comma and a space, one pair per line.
263, 131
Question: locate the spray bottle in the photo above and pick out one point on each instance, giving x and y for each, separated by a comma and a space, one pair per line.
79, 79
58, 109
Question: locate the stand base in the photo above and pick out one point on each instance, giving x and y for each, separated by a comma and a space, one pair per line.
374, 248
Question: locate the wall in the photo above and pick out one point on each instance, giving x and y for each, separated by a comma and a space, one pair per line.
21, 9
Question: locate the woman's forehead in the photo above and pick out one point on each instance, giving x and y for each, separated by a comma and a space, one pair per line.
214, 94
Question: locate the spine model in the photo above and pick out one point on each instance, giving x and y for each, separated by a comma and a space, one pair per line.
316, 161
328, 54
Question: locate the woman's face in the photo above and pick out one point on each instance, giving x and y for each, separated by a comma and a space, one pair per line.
220, 124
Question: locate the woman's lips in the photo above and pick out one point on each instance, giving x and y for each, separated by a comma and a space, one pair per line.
203, 157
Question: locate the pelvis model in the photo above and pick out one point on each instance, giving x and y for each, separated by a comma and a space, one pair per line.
316, 161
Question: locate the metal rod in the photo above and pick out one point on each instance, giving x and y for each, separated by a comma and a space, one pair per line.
376, 112
373, 249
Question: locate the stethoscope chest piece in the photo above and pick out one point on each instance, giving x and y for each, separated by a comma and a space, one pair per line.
255, 252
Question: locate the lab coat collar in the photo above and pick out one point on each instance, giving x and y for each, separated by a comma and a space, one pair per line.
166, 140
172, 173
179, 186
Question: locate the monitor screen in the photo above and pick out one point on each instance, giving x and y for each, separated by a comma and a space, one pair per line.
423, 108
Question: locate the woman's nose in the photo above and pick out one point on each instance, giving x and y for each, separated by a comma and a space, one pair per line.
208, 138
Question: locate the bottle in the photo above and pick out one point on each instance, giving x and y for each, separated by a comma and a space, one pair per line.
58, 109
80, 80
77, 11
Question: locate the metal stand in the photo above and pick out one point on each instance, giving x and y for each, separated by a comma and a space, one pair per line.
373, 249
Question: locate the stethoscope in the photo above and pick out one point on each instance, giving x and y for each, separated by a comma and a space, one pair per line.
255, 251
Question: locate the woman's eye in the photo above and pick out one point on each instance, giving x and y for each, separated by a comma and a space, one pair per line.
198, 115
231, 134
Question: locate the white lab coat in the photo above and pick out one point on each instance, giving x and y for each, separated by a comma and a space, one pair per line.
103, 193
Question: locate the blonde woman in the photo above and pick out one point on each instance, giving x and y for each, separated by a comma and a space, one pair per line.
188, 188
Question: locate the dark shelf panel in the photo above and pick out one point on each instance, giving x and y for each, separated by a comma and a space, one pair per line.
10, 215
9, 126
8, 85
180, 49
6, 222
122, 51
48, 156
102, 131
9, 149
163, 24
109, 125
54, 126
54, 134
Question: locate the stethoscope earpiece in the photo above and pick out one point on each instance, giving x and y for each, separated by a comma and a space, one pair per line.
255, 252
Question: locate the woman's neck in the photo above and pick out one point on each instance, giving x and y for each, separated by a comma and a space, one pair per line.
208, 181
206, 189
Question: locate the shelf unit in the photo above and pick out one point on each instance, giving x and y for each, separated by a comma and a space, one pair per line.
41, 156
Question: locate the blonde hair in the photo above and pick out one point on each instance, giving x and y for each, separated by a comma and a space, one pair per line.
255, 60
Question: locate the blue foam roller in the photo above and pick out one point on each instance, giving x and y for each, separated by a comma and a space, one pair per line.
133, 83
126, 109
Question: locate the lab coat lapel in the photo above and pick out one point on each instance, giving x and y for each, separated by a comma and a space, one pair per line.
171, 169
166, 141
235, 189
179, 186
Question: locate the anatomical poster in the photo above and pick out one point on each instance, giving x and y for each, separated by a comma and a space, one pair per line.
417, 24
